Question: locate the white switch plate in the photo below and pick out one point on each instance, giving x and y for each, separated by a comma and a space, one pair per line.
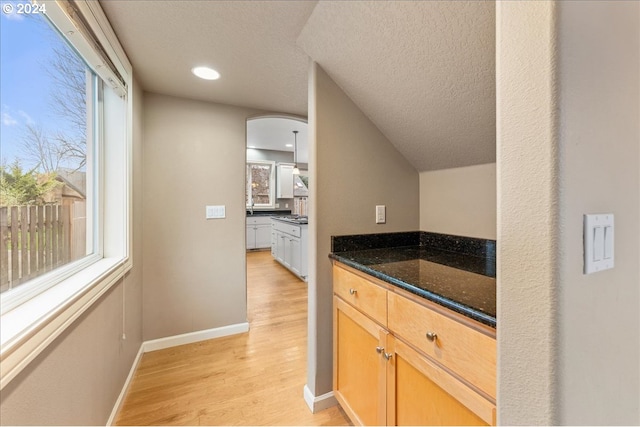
215, 212
598, 239
381, 214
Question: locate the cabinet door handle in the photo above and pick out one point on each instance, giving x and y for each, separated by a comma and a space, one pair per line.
379, 350
432, 336
353, 291
388, 356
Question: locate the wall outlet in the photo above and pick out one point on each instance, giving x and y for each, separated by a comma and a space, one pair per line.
381, 214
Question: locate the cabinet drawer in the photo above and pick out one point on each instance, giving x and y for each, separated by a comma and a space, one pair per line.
293, 230
467, 352
367, 297
258, 220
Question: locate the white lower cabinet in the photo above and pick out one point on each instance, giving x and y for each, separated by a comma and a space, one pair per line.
258, 232
289, 246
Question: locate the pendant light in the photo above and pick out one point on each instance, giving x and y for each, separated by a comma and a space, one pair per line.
296, 171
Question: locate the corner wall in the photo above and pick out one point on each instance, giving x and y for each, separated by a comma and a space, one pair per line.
352, 168
78, 377
527, 243
599, 130
568, 145
195, 269
459, 201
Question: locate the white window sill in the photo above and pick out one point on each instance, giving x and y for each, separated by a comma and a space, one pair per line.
27, 330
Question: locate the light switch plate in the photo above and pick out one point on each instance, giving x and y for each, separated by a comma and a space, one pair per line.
215, 212
381, 214
598, 236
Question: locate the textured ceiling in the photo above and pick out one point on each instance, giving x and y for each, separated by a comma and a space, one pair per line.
422, 71
251, 43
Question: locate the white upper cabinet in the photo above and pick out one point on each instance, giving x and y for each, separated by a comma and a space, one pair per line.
284, 186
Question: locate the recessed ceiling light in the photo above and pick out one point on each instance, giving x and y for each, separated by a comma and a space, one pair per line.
206, 73
288, 145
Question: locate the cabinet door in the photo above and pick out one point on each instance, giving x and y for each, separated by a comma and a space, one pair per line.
284, 187
263, 236
359, 366
280, 247
274, 243
251, 237
294, 255
419, 392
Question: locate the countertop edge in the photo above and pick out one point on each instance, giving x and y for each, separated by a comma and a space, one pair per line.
445, 302
284, 221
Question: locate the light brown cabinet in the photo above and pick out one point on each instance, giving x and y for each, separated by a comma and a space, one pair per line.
388, 372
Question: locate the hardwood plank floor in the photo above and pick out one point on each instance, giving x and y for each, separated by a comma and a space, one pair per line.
248, 379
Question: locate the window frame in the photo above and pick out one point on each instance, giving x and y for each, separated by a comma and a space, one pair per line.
28, 327
24, 292
272, 184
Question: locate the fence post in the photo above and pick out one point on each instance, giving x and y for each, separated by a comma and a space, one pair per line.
33, 239
15, 259
4, 250
24, 247
66, 237
48, 237
41, 239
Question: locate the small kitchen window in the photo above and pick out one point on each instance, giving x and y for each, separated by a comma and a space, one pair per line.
260, 184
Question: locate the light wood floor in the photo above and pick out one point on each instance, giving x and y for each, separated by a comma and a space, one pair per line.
255, 378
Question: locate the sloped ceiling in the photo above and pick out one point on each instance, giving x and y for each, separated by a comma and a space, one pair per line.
422, 71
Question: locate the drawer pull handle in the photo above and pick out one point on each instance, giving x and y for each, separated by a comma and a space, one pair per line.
432, 336
353, 291
388, 356
379, 350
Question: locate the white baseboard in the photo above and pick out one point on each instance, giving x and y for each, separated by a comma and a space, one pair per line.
192, 337
173, 341
123, 392
319, 403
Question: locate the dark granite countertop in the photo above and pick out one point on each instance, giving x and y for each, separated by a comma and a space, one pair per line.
268, 212
462, 282
293, 219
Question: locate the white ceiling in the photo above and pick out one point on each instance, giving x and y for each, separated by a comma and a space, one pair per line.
252, 44
422, 71
275, 133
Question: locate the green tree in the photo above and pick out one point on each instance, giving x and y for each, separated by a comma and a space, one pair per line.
24, 188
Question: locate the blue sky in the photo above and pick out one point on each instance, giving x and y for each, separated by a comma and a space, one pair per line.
25, 48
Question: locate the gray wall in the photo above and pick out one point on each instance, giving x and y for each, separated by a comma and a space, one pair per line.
276, 156
568, 144
78, 377
194, 271
599, 140
352, 168
459, 201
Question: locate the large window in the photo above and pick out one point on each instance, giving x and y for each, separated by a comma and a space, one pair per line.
47, 151
65, 172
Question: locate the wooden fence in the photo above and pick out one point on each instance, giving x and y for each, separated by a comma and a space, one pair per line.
34, 240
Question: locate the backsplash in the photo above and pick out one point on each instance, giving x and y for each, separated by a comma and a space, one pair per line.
484, 248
